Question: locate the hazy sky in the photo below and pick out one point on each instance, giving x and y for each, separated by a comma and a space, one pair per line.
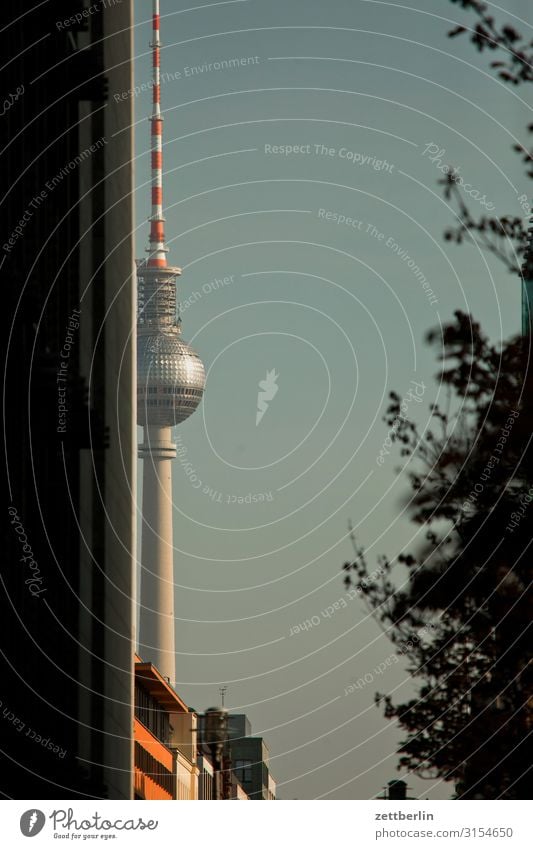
363, 88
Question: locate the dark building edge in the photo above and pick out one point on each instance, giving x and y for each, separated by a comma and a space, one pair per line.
67, 653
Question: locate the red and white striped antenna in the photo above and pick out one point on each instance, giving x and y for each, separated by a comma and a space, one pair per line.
157, 250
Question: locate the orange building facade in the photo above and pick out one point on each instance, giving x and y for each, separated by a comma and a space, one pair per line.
165, 739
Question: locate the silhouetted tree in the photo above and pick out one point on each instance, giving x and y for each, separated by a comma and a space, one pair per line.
460, 608
505, 236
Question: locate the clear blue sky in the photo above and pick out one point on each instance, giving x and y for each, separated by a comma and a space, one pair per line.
336, 311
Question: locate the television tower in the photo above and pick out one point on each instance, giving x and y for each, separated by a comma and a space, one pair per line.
170, 385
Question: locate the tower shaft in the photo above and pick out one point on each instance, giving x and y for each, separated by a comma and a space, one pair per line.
157, 640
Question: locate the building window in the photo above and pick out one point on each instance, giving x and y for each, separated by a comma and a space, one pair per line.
152, 717
243, 771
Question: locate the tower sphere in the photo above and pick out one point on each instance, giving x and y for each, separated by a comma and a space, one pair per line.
170, 379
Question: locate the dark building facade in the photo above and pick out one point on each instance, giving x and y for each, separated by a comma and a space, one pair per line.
238, 757
250, 759
66, 265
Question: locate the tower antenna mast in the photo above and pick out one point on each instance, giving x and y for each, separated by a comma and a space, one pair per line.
157, 249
